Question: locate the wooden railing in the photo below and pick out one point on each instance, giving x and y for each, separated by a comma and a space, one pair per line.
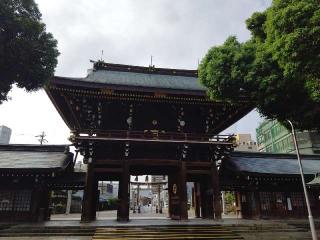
155, 134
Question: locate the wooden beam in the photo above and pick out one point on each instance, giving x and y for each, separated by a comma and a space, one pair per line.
153, 162
148, 162
75, 119
124, 139
108, 170
207, 172
107, 162
198, 164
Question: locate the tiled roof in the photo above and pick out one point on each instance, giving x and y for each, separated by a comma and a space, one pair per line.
265, 163
315, 182
119, 75
34, 157
149, 80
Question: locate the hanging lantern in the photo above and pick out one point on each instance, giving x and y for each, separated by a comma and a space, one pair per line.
147, 178
136, 179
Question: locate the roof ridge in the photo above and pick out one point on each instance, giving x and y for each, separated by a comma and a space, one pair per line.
276, 155
33, 147
100, 65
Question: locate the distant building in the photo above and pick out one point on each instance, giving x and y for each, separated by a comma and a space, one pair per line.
106, 190
274, 137
158, 179
5, 134
245, 143
80, 167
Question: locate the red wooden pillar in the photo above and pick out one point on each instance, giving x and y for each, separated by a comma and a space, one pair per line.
89, 196
123, 193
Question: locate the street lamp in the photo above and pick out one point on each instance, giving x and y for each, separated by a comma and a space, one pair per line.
311, 221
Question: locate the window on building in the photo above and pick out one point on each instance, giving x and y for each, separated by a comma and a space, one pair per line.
22, 201
6, 201
297, 199
17, 201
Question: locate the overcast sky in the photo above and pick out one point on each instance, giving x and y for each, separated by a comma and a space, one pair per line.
176, 33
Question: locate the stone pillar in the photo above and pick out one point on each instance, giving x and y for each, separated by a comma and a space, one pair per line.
123, 193
69, 199
197, 200
89, 196
223, 199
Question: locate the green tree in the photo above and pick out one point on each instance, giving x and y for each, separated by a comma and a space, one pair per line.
277, 70
28, 54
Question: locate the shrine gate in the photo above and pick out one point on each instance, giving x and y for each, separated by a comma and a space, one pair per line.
129, 120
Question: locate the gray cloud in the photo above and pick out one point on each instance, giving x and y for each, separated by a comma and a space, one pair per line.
177, 33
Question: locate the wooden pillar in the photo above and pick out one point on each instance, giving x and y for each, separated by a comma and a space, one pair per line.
216, 192
238, 204
89, 196
204, 198
197, 200
40, 203
123, 193
46, 202
257, 208
183, 191
170, 195
177, 189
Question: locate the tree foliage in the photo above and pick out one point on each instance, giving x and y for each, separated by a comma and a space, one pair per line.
28, 54
278, 69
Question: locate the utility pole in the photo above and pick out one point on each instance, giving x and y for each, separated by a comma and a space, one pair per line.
41, 138
311, 221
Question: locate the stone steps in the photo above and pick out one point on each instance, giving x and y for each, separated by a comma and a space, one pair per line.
15, 231
165, 232
264, 231
264, 228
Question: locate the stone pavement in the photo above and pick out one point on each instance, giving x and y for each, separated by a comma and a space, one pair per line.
46, 238
248, 229
109, 215
101, 215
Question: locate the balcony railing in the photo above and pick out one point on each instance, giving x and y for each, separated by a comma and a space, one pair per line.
150, 135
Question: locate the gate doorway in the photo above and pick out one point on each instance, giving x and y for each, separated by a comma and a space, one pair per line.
149, 197
65, 204
107, 201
